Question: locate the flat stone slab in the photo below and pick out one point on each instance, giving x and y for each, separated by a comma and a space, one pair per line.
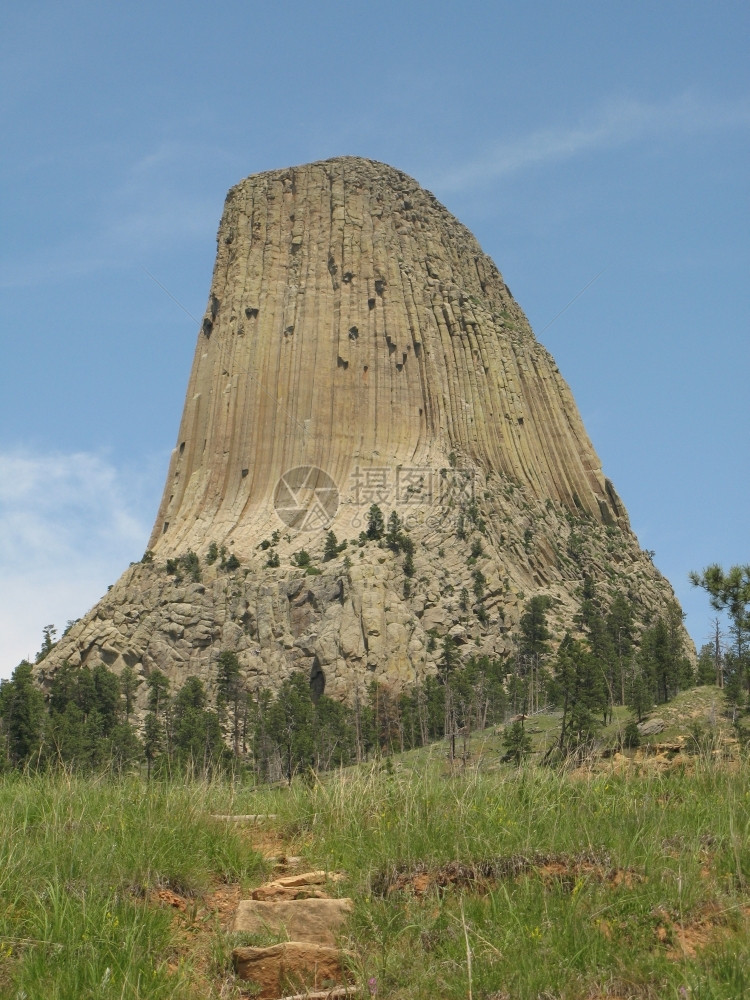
273, 892
289, 967
242, 817
303, 878
306, 885
334, 993
310, 920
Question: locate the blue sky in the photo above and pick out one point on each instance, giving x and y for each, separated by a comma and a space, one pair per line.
578, 141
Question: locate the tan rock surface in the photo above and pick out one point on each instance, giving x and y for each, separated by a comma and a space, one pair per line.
313, 920
317, 877
354, 325
273, 892
287, 967
306, 885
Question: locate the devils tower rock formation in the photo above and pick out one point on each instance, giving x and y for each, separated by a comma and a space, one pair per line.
359, 348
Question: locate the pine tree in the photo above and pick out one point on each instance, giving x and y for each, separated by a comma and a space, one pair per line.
408, 565
291, 724
158, 691
49, 634
517, 742
331, 549
375, 523
129, 684
334, 734
153, 740
395, 529
480, 582
22, 713
107, 696
730, 592
579, 681
232, 693
639, 695
661, 659
450, 659
262, 747
706, 672
533, 628
620, 630
530, 681
197, 735
124, 749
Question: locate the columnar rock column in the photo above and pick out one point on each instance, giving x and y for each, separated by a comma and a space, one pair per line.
354, 324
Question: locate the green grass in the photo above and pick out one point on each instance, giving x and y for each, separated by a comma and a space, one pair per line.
576, 933
79, 862
489, 883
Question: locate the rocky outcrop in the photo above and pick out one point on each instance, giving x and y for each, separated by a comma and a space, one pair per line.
358, 348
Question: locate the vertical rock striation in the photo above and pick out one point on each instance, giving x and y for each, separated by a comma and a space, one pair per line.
358, 347
353, 323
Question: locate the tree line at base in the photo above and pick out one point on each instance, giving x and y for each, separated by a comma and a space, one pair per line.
88, 719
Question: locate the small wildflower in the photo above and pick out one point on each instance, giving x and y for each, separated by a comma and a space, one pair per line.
372, 985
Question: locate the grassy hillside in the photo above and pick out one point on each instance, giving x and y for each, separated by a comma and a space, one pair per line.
628, 880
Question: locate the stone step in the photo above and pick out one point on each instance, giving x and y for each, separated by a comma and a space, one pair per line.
297, 964
305, 885
334, 993
303, 920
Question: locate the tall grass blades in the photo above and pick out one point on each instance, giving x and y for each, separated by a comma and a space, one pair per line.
80, 860
521, 882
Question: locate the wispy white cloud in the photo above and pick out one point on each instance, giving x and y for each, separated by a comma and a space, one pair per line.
126, 239
615, 124
143, 206
69, 525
